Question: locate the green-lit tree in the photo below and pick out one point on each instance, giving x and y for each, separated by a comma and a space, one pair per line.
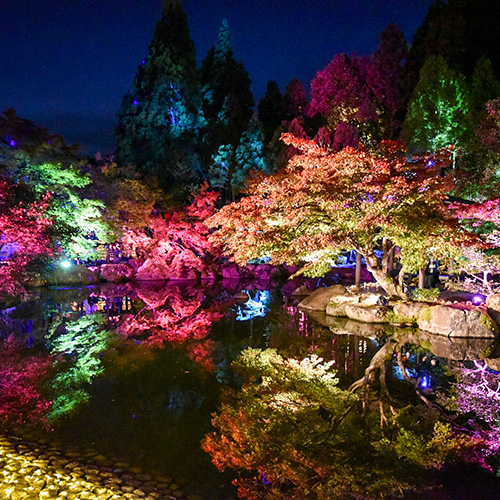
437, 113
476, 171
160, 117
42, 163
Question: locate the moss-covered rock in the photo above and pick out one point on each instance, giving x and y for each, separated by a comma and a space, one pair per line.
454, 321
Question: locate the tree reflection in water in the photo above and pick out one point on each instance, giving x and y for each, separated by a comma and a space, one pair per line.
404, 407
291, 432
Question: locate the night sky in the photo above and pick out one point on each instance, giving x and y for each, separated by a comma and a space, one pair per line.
67, 64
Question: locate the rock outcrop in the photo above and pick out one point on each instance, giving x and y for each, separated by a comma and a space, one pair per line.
451, 320
74, 275
320, 298
457, 321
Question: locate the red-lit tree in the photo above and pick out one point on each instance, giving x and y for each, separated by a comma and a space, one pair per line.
26, 228
21, 378
325, 202
176, 240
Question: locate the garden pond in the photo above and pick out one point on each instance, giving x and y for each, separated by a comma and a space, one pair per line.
160, 383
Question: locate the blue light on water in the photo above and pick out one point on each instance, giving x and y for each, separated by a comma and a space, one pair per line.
254, 307
425, 382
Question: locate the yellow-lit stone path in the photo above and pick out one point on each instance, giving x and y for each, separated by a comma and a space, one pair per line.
29, 472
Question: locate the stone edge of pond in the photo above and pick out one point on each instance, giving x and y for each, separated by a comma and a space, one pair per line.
32, 470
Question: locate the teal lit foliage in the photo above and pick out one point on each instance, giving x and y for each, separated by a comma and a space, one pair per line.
230, 166
160, 119
438, 109
227, 97
218, 171
249, 155
79, 347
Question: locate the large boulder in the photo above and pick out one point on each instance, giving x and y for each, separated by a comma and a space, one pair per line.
493, 306
232, 271
406, 313
265, 271
457, 321
338, 303
152, 270
367, 313
320, 298
115, 272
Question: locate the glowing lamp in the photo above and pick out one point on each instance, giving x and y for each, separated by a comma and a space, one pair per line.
65, 264
477, 299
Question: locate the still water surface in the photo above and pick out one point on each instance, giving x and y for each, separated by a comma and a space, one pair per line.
134, 374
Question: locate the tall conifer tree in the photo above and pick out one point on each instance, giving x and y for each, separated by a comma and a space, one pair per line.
160, 117
227, 97
227, 104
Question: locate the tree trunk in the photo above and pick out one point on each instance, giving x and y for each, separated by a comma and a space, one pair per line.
387, 248
357, 277
421, 279
390, 286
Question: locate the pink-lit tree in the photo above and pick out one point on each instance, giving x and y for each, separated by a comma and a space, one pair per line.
27, 228
22, 375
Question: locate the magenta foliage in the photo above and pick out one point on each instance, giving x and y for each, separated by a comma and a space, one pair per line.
341, 85
478, 391
21, 378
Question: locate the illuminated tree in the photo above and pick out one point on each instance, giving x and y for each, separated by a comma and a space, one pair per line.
292, 433
26, 226
176, 240
339, 91
437, 113
325, 202
22, 375
249, 155
78, 347
476, 172
160, 117
78, 224
227, 107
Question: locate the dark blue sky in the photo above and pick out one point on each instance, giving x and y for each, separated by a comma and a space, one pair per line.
66, 64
